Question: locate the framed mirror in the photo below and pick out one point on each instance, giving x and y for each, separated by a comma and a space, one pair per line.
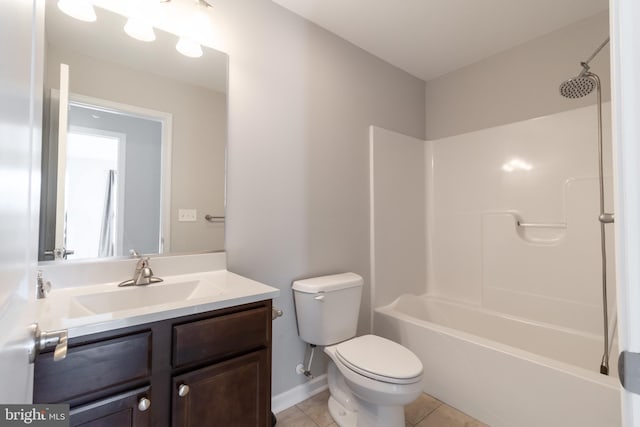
134, 142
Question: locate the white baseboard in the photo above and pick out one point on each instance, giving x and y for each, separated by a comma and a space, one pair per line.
298, 394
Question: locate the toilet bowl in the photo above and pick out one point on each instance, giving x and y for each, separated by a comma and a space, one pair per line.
370, 388
370, 378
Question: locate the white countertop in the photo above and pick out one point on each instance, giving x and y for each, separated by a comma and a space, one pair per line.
87, 309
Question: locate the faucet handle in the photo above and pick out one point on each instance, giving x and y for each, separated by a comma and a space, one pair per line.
143, 262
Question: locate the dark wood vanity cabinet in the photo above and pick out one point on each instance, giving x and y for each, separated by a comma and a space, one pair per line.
225, 394
209, 369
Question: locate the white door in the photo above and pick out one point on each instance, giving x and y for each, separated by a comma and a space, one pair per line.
63, 124
625, 59
21, 25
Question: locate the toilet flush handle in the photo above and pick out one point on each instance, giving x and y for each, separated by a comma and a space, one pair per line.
319, 298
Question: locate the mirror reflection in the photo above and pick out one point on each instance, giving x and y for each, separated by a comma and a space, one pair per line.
134, 141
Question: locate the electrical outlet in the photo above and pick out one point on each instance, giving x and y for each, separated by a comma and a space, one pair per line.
187, 215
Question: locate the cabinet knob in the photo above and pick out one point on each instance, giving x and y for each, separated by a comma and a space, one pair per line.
183, 390
144, 404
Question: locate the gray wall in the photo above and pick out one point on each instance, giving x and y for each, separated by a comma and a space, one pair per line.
300, 103
518, 84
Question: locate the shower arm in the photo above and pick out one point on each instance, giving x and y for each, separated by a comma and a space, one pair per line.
585, 64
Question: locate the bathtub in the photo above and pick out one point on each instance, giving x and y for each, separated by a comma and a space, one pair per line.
502, 370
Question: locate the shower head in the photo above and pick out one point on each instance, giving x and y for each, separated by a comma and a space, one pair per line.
577, 87
584, 83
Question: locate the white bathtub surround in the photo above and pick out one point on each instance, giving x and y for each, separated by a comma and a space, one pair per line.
475, 188
509, 327
398, 211
474, 360
542, 170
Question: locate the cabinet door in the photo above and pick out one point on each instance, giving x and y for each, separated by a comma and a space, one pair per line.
123, 410
232, 393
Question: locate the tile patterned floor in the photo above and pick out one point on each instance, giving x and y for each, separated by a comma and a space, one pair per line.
424, 412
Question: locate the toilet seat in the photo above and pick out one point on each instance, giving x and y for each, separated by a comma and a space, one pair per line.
380, 359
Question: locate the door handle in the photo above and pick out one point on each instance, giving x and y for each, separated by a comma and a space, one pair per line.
41, 340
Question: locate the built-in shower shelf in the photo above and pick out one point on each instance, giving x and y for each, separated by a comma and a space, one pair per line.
541, 224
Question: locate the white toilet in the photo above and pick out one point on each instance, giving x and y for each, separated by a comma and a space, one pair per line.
370, 378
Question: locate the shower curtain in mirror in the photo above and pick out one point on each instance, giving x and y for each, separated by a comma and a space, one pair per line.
107, 228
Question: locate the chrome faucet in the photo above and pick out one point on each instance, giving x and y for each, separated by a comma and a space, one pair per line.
143, 274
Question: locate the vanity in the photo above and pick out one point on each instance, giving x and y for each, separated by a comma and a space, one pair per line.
131, 133
159, 357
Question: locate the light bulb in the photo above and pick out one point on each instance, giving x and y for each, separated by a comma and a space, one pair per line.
139, 29
200, 24
79, 9
189, 47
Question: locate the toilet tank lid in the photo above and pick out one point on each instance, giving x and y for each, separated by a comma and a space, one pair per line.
332, 282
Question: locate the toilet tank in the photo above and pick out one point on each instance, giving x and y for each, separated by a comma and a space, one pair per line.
327, 307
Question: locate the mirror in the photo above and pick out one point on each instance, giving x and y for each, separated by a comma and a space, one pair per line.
140, 165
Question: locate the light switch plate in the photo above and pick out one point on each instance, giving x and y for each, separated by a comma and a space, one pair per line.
187, 215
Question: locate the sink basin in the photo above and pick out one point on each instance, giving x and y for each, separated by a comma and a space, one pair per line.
95, 308
136, 297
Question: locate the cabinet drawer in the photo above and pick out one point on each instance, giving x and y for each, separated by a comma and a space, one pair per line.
122, 410
221, 336
90, 368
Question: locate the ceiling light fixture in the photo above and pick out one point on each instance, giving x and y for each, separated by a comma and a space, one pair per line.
138, 25
189, 47
198, 28
139, 29
79, 9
